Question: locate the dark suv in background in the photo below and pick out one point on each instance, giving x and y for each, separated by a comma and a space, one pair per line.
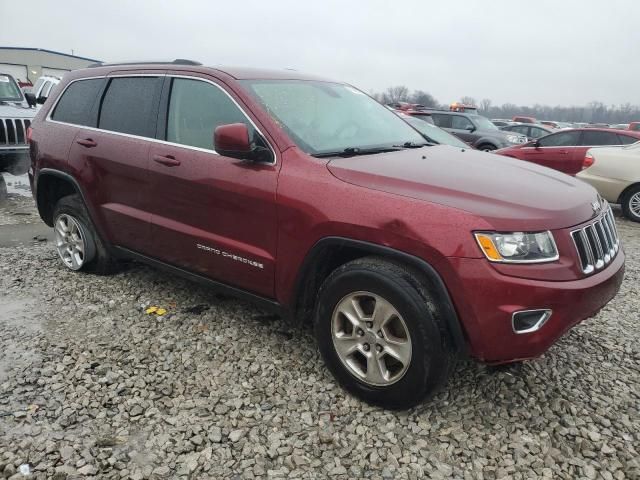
402, 253
476, 130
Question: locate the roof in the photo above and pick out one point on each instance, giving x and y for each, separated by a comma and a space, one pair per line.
49, 51
238, 73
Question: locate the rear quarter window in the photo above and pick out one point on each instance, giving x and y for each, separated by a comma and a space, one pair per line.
77, 103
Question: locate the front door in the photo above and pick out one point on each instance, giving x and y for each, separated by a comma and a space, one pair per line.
212, 215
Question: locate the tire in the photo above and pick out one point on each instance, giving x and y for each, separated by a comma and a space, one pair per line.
93, 256
487, 147
631, 204
371, 282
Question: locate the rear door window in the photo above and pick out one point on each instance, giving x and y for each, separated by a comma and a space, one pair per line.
563, 139
77, 102
443, 121
596, 138
130, 105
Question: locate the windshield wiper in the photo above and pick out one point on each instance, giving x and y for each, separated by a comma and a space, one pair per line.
353, 151
413, 145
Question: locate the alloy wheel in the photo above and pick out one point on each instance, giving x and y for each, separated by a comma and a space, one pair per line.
371, 338
634, 204
70, 241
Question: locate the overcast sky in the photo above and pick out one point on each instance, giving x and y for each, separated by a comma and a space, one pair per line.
543, 51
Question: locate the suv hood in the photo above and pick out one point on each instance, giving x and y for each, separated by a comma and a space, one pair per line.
510, 194
15, 110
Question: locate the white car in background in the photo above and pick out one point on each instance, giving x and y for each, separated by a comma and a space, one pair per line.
615, 173
41, 90
15, 118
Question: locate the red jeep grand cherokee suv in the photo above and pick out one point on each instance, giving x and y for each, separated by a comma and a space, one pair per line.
311, 198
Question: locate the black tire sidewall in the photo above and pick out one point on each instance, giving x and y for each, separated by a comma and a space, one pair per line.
428, 359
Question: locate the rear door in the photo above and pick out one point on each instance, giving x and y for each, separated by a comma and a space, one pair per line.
554, 151
112, 159
212, 214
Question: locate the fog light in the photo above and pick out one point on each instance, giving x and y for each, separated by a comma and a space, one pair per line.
528, 321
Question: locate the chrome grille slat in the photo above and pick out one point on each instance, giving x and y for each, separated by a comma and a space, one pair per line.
597, 243
13, 131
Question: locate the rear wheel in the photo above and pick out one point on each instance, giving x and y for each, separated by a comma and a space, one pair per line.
77, 242
631, 204
379, 332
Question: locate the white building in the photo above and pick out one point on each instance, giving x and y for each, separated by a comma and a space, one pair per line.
26, 65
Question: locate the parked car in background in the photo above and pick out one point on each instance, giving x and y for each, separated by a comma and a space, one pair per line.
550, 123
615, 174
597, 125
565, 150
501, 122
621, 126
523, 119
634, 126
402, 255
530, 130
432, 133
15, 118
42, 89
476, 130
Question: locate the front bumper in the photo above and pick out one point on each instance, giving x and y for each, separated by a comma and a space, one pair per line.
488, 299
14, 160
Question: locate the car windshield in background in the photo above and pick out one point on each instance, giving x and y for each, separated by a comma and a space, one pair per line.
435, 134
325, 118
483, 123
9, 90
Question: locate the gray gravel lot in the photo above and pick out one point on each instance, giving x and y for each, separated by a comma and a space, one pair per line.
92, 385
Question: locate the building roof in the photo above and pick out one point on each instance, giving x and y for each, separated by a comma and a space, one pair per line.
49, 51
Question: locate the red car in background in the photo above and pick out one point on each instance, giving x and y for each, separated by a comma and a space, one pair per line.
565, 151
634, 127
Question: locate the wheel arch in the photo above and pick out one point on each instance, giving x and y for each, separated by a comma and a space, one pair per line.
627, 189
331, 252
50, 186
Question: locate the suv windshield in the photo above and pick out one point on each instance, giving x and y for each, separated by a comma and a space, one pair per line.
325, 118
9, 90
483, 123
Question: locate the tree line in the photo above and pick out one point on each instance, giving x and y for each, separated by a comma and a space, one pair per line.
593, 112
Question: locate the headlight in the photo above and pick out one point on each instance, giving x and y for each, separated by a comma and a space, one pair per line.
513, 138
518, 247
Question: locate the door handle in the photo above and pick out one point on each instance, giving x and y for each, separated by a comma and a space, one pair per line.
168, 160
87, 142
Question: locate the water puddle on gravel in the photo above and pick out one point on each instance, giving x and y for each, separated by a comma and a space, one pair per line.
20, 321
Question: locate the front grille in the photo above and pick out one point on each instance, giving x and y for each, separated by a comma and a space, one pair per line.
597, 243
13, 131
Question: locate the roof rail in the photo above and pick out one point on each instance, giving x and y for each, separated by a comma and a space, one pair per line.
177, 61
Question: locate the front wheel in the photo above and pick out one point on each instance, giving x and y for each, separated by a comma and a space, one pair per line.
379, 332
487, 147
631, 204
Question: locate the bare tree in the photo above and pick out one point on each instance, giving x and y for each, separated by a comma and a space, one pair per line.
468, 100
424, 98
485, 105
399, 93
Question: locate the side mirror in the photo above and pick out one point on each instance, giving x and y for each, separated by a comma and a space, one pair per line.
536, 143
41, 99
470, 128
232, 140
31, 99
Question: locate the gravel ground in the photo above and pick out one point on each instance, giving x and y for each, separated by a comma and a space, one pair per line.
215, 388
